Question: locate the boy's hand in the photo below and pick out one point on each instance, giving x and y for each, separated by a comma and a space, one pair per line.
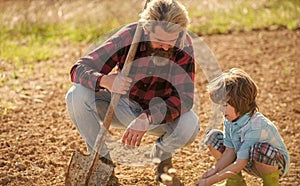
202, 182
210, 172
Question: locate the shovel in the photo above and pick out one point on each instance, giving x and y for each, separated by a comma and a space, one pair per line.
88, 169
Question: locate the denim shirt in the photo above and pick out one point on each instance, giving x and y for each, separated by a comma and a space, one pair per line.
247, 131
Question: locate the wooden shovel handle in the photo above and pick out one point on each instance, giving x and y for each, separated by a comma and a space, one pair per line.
113, 103
125, 71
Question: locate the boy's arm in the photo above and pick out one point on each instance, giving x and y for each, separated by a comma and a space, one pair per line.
226, 159
227, 172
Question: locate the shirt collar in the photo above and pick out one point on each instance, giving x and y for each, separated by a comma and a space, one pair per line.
242, 120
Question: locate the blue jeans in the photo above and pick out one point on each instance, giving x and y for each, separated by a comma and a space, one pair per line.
87, 109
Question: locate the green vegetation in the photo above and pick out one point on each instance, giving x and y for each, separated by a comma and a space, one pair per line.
40, 31
41, 41
247, 15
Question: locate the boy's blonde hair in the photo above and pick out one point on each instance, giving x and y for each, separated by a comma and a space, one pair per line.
236, 88
171, 15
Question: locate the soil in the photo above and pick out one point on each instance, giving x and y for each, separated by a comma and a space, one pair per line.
37, 138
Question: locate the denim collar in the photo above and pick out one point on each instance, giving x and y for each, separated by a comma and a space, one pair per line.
241, 121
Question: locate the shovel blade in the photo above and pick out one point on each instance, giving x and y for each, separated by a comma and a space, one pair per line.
79, 167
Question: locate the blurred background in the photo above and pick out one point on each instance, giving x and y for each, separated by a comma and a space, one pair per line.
30, 24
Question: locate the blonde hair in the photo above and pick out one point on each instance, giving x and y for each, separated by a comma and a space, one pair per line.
171, 15
236, 88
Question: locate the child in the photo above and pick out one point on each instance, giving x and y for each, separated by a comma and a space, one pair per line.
250, 141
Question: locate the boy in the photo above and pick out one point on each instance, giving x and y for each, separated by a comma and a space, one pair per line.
250, 141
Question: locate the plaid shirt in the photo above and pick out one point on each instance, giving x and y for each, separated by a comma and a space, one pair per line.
173, 83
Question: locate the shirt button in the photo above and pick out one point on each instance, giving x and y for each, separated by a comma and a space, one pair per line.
145, 85
150, 73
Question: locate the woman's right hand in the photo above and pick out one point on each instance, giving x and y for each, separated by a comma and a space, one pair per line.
116, 83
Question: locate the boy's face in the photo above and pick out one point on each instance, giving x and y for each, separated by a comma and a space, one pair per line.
230, 113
